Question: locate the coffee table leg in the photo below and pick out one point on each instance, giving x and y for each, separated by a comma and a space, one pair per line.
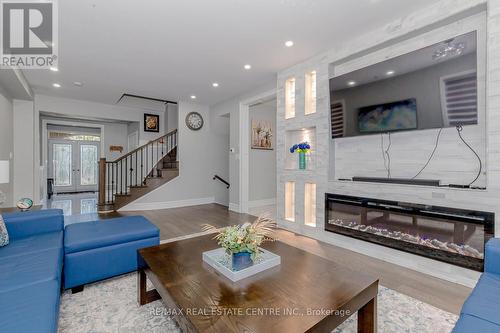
143, 295
367, 317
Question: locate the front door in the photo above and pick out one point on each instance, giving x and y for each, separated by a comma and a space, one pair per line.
74, 165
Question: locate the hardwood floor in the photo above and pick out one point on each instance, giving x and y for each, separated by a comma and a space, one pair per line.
440, 293
178, 222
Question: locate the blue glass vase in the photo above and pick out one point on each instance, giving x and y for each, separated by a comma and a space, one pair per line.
242, 260
302, 161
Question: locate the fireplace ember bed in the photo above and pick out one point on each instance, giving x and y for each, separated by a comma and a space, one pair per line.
455, 236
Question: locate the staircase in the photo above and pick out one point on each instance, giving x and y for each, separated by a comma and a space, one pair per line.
137, 173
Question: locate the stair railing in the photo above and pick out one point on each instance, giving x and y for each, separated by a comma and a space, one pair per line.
221, 180
132, 169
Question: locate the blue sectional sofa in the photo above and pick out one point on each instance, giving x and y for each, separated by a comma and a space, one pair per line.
481, 311
30, 272
40, 249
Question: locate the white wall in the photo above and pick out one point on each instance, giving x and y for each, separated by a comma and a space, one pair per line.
197, 165
114, 135
419, 29
6, 143
221, 135
262, 163
172, 118
26, 171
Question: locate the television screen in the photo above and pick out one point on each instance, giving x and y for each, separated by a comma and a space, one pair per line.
395, 116
426, 88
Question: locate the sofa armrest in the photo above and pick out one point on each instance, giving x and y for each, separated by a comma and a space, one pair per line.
25, 224
492, 256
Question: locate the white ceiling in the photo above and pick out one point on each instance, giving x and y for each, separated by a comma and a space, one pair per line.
173, 49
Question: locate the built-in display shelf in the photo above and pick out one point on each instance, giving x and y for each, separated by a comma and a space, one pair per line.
297, 136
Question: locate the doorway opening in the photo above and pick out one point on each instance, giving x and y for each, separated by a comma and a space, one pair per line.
245, 145
262, 159
73, 156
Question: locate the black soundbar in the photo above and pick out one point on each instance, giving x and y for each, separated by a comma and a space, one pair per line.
407, 181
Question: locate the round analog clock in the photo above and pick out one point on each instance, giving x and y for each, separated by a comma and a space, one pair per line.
194, 121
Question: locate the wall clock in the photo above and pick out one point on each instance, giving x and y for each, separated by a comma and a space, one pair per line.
194, 121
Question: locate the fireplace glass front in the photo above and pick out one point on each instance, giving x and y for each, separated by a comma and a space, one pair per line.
452, 235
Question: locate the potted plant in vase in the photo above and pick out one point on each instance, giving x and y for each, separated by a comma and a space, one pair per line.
242, 241
301, 148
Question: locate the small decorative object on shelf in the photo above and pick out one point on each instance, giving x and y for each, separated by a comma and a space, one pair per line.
242, 241
24, 204
302, 148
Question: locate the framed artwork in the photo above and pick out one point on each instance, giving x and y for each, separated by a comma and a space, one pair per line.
262, 135
151, 122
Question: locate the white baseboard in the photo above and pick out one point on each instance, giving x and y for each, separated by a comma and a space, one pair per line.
168, 204
234, 207
260, 203
221, 203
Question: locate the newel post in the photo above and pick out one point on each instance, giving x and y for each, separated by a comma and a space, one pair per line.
102, 181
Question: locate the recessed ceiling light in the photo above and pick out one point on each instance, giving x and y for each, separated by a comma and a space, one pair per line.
289, 43
247, 67
389, 73
215, 84
351, 83
78, 83
56, 85
193, 97
54, 69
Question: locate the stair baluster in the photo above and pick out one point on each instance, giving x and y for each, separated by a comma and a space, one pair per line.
117, 178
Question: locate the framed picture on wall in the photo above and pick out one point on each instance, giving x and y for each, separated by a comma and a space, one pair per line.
151, 122
262, 135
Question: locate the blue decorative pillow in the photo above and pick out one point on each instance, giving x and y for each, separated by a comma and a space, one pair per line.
4, 235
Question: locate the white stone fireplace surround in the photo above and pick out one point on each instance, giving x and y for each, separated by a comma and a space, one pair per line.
443, 20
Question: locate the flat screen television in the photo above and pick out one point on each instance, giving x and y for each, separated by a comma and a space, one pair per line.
433, 87
388, 117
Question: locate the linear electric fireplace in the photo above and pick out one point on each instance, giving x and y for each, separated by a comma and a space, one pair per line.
455, 236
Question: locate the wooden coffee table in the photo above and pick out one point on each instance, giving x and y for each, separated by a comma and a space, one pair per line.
306, 293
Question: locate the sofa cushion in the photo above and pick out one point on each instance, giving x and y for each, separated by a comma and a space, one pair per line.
36, 243
26, 224
4, 235
90, 235
469, 324
19, 271
483, 301
30, 309
492, 256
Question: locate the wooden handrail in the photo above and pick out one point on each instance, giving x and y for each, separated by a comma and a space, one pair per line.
144, 145
134, 168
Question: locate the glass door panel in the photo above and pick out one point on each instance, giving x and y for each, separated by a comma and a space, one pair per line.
86, 175
74, 165
62, 165
88, 164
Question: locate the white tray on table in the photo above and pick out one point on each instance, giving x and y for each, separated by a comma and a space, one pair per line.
222, 263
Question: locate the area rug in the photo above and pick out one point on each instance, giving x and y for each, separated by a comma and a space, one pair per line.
111, 307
